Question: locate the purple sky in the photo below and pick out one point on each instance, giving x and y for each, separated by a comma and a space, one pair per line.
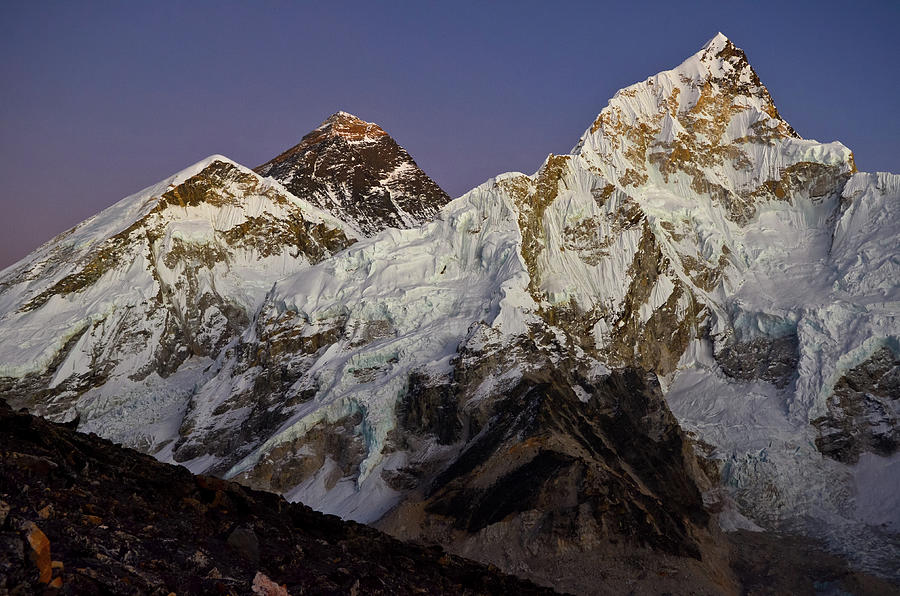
99, 100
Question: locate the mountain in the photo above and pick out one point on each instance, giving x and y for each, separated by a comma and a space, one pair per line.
688, 324
116, 318
354, 170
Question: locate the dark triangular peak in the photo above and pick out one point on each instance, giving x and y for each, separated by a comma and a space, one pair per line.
357, 172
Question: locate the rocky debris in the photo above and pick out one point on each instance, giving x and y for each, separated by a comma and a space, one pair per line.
263, 586
769, 563
863, 410
40, 551
354, 170
12, 558
770, 359
245, 543
25, 557
119, 522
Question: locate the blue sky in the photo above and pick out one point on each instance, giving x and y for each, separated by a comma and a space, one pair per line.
99, 100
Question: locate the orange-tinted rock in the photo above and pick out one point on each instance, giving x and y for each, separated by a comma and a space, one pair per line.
354, 170
40, 552
93, 520
263, 586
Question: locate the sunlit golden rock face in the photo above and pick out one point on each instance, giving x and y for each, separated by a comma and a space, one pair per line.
220, 185
704, 138
343, 125
707, 128
602, 233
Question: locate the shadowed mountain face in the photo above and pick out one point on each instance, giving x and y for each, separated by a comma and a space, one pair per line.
82, 515
354, 170
548, 483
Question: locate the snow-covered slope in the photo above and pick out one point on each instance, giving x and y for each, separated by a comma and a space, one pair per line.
793, 256
116, 319
691, 246
351, 331
354, 170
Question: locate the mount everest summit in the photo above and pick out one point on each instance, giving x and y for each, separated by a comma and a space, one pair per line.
687, 325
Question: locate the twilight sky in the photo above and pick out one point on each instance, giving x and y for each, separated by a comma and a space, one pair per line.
100, 99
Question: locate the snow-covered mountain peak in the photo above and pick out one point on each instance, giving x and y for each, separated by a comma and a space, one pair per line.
719, 73
192, 170
117, 217
160, 280
720, 58
718, 41
719, 47
706, 130
340, 125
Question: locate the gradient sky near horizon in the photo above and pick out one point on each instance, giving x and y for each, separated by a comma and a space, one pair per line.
101, 99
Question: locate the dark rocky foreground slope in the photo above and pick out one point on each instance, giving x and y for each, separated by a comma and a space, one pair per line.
80, 515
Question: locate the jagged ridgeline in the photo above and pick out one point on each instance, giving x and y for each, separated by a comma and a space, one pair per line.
688, 324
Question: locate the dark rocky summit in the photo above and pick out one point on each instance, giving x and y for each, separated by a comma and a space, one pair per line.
354, 170
80, 515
